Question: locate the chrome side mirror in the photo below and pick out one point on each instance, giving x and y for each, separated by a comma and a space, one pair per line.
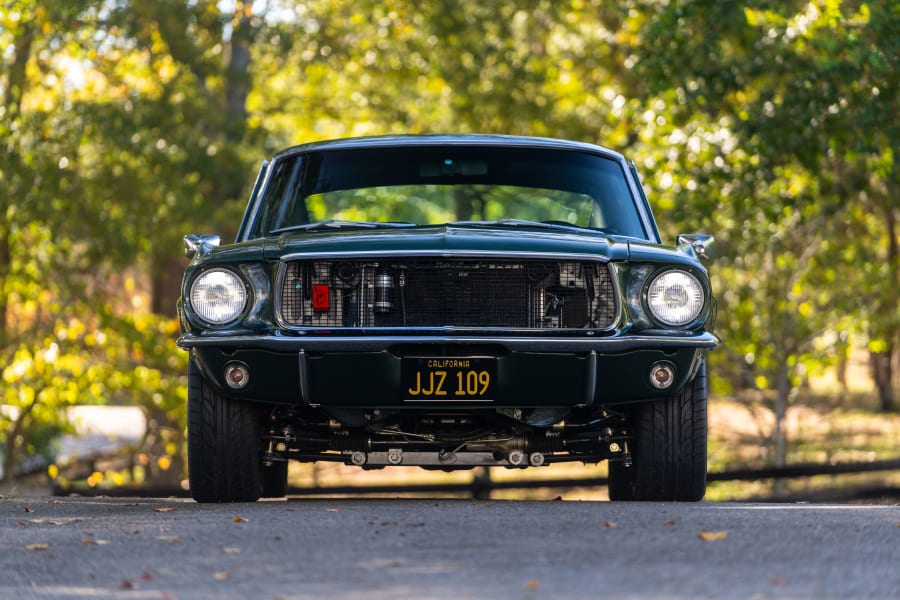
699, 243
200, 244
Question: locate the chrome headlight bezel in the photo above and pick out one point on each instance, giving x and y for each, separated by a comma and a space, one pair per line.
675, 298
218, 296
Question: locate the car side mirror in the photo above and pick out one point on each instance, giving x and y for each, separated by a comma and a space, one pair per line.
200, 244
699, 243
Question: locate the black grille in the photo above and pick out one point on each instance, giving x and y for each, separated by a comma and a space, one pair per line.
464, 293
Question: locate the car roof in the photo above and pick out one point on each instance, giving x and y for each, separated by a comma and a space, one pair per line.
457, 139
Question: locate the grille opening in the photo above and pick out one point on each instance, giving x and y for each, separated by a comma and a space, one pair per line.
450, 293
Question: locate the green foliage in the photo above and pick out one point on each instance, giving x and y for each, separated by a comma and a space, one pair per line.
127, 124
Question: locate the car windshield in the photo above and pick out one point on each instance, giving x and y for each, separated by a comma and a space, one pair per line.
434, 185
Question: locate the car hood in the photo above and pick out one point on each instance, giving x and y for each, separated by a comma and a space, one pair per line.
448, 238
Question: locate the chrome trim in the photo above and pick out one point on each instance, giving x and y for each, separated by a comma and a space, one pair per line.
699, 243
441, 253
253, 205
252, 202
697, 274
249, 300
704, 340
303, 376
371, 254
591, 378
642, 203
200, 244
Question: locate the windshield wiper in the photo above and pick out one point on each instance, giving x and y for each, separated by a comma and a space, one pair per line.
521, 223
341, 224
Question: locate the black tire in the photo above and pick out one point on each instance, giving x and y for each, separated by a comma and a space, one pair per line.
224, 444
668, 450
274, 480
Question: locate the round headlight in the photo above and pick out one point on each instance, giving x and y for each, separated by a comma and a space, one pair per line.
218, 296
675, 298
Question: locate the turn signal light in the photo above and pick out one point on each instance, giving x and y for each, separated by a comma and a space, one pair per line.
237, 375
662, 375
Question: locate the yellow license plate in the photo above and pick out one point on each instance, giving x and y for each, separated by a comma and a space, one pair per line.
443, 379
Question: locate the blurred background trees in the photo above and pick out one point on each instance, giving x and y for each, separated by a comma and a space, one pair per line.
126, 124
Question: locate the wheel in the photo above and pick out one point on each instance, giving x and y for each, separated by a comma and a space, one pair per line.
668, 451
224, 445
274, 480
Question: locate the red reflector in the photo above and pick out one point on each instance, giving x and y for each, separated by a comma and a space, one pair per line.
320, 297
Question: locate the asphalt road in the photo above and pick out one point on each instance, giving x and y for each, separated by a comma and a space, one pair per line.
453, 549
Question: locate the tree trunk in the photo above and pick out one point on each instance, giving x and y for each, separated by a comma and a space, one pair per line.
882, 373
10, 163
782, 392
166, 272
842, 365
11, 456
237, 85
886, 384
5, 267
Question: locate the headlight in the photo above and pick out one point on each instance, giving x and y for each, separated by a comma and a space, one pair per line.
218, 296
675, 298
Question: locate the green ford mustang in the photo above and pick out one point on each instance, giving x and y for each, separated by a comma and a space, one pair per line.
447, 301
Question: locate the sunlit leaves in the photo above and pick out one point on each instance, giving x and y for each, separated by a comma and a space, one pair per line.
800, 210
775, 129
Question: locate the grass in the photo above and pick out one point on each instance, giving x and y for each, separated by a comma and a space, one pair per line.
821, 429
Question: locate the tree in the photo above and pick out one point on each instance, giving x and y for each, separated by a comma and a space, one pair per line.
770, 154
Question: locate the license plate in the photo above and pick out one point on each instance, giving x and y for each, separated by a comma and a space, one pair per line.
443, 379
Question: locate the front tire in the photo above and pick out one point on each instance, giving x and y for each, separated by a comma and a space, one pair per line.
224, 444
668, 448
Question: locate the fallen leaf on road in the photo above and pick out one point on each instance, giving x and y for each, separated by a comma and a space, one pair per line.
532, 585
232, 550
27, 510
36, 547
712, 536
221, 575
127, 584
166, 509
238, 519
670, 522
610, 524
332, 510
174, 539
93, 542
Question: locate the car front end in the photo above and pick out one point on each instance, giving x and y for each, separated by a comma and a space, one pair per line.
386, 303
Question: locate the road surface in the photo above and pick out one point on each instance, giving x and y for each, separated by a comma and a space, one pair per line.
444, 549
